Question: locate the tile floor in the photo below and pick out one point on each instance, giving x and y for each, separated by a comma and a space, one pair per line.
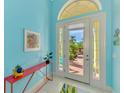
56, 85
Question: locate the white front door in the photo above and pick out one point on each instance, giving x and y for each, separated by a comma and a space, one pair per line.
76, 54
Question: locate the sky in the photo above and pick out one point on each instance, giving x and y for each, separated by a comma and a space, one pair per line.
78, 34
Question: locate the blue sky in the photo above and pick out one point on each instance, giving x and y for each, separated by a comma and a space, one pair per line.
78, 34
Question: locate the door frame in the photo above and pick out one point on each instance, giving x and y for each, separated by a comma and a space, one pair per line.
91, 17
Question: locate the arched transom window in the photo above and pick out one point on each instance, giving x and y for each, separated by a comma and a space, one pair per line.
77, 7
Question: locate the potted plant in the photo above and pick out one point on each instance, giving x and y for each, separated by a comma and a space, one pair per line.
48, 57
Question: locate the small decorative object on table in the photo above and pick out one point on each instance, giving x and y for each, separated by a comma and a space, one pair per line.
18, 71
48, 57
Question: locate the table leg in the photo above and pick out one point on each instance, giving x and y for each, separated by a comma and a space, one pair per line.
52, 70
28, 82
46, 71
51, 79
11, 88
4, 86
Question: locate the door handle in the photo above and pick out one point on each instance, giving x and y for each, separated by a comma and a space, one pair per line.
87, 57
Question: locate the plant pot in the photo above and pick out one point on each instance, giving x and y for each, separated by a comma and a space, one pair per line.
47, 61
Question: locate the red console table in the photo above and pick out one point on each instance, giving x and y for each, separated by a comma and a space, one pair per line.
30, 71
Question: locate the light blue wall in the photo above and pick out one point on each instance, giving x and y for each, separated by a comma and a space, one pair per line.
29, 14
116, 49
106, 7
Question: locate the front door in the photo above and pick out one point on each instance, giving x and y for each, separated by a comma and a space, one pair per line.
76, 46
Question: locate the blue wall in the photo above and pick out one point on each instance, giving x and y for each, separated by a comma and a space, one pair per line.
106, 7
29, 14
116, 49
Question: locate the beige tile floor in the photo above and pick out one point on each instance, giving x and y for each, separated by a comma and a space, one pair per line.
56, 85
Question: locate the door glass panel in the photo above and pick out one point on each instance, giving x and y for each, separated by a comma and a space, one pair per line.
76, 49
96, 65
60, 48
